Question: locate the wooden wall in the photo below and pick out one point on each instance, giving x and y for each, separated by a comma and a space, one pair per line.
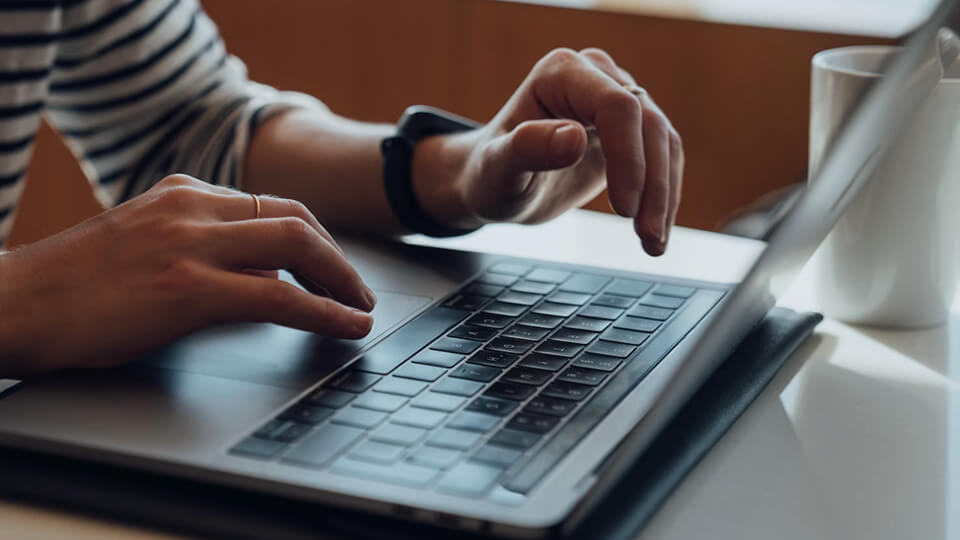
738, 95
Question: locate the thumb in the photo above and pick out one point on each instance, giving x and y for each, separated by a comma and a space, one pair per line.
538, 145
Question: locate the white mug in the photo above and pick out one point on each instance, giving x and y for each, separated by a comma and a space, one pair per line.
892, 259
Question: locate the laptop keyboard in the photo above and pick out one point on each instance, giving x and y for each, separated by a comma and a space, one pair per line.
494, 385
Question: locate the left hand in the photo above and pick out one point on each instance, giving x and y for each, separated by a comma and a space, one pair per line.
572, 124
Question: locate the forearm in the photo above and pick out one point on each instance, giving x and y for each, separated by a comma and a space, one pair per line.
334, 166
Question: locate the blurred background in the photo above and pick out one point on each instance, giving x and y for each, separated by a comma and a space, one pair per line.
733, 75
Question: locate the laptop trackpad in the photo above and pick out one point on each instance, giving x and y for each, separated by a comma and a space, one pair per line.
278, 356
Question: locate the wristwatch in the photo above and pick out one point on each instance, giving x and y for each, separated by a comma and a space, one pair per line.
417, 123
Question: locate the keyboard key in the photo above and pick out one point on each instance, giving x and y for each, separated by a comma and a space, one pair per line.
570, 298
589, 377
629, 287
408, 340
515, 439
624, 336
292, 431
526, 333
533, 423
307, 414
523, 299
550, 406
419, 372
475, 373
510, 346
593, 361
422, 418
407, 474
612, 300
483, 289
493, 359
590, 325
397, 434
324, 444
467, 302
585, 283
501, 280
656, 300
437, 358
270, 428
544, 361
580, 337
469, 478
457, 439
474, 421
510, 268
258, 448
541, 321
559, 348
377, 452
523, 375
361, 418
475, 333
439, 402
675, 290
637, 324
533, 287
566, 390
609, 348
490, 320
331, 398
507, 310
457, 387
548, 275
505, 390
555, 310
354, 381
496, 407
453, 345
648, 312
436, 457
497, 455
600, 312
380, 402
401, 387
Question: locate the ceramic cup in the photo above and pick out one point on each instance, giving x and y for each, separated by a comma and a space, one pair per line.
892, 259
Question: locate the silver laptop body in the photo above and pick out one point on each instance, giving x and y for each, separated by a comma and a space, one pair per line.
267, 408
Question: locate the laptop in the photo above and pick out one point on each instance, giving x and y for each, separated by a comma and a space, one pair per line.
495, 394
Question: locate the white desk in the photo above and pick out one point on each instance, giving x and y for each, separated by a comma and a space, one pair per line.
857, 438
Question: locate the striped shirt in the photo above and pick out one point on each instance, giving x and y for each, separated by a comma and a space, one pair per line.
139, 89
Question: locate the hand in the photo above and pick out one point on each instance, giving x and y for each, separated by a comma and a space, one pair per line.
183, 256
572, 124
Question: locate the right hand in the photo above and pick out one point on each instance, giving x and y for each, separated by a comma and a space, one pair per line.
180, 257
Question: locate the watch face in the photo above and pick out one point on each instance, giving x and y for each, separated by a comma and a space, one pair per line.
420, 121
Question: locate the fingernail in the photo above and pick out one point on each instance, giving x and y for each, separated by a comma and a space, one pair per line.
371, 298
565, 141
364, 323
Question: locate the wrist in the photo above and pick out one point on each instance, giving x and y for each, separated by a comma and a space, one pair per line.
439, 172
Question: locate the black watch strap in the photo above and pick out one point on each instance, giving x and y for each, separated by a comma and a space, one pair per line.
417, 123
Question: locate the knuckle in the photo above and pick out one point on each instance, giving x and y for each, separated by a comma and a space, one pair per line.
179, 198
596, 53
177, 277
560, 58
298, 209
675, 140
623, 103
174, 180
297, 231
277, 295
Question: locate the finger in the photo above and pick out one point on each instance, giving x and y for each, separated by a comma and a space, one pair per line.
290, 244
677, 162
232, 205
533, 146
605, 63
651, 220
246, 298
566, 85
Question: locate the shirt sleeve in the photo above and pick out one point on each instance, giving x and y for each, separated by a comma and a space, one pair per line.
156, 96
